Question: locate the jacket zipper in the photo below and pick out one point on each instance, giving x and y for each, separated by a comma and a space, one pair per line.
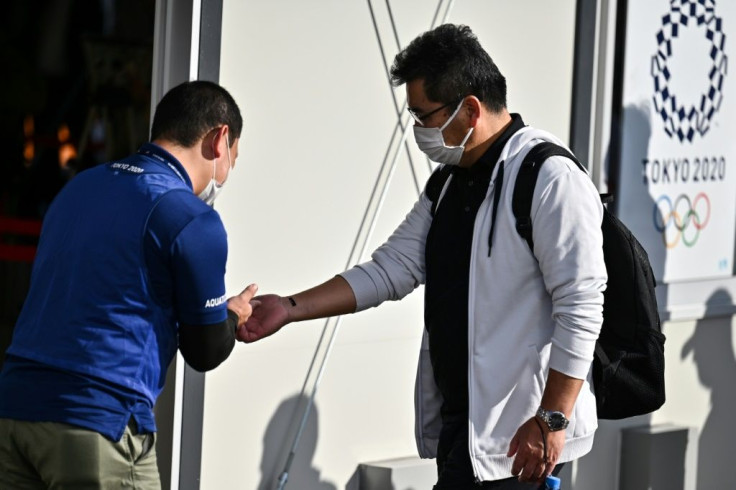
471, 321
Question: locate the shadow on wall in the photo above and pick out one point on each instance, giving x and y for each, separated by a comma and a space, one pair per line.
600, 468
639, 132
277, 442
712, 348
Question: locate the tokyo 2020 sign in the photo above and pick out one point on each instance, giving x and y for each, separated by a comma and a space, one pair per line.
677, 181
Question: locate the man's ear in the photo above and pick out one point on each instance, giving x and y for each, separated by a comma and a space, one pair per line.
473, 108
220, 141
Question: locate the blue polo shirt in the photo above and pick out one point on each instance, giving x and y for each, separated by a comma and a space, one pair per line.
127, 252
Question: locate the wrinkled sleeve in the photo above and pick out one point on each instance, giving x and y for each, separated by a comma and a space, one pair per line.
198, 257
397, 267
568, 242
186, 254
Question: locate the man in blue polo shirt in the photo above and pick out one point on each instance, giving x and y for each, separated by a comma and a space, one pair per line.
130, 267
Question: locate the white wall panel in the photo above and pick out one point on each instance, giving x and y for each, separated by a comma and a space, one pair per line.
318, 119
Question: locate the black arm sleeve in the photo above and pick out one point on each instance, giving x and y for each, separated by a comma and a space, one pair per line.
204, 347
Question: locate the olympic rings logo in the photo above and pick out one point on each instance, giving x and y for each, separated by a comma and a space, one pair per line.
681, 220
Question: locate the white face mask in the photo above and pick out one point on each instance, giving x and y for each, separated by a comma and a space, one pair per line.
432, 143
209, 194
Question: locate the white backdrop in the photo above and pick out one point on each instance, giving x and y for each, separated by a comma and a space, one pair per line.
318, 119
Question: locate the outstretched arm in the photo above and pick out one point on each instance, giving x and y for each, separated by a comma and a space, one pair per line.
271, 312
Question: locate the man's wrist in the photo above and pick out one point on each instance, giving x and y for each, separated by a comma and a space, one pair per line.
233, 319
554, 420
290, 305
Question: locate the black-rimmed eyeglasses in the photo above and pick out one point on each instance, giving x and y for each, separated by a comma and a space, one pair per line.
419, 118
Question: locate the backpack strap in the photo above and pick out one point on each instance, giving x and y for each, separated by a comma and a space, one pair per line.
436, 183
527, 179
497, 185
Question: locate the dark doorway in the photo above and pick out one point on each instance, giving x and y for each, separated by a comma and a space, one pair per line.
75, 92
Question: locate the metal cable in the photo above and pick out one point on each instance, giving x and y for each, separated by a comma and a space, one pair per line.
399, 111
284, 476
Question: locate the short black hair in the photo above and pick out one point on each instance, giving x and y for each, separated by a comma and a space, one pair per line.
189, 111
453, 65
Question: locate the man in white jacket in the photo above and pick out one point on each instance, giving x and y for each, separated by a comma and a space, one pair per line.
504, 394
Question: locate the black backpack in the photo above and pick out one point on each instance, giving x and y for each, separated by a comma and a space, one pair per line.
628, 366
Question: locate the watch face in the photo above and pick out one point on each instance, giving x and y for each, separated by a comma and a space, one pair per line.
557, 421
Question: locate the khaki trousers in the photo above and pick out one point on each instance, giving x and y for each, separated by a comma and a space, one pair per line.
47, 455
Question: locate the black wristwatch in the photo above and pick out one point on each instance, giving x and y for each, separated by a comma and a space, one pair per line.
555, 420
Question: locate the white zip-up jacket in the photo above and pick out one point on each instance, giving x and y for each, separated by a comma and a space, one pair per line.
527, 312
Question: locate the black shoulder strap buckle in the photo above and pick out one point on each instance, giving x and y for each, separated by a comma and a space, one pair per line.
524, 226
